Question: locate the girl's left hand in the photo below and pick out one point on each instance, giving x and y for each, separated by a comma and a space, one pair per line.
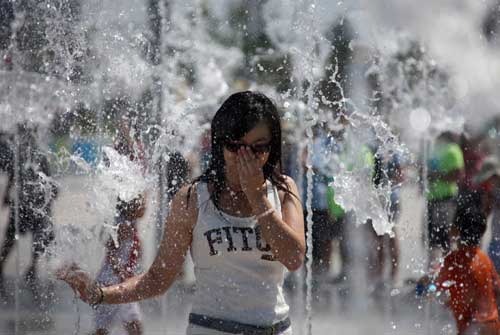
80, 281
250, 173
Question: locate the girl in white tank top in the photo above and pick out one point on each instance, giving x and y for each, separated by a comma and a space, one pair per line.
237, 277
242, 222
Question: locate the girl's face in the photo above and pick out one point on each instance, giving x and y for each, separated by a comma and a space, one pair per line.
258, 139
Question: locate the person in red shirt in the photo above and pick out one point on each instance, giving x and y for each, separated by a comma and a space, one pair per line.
469, 279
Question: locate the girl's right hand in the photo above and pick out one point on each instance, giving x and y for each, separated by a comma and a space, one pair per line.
81, 282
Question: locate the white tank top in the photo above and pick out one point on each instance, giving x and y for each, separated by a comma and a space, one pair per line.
237, 278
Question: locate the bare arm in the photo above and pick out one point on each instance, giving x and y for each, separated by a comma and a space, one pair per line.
167, 265
285, 234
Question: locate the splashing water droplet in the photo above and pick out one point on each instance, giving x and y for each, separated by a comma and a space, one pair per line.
395, 292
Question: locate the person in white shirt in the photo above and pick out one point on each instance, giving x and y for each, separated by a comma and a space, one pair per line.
242, 222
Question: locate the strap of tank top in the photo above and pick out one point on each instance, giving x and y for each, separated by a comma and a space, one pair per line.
273, 196
202, 194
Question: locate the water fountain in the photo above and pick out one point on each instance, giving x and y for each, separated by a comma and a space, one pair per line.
98, 51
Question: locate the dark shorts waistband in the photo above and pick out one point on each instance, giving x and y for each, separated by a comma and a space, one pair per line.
234, 327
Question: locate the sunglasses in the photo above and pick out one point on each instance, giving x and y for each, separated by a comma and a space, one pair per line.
256, 148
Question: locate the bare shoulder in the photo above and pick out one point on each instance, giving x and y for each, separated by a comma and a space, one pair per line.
289, 181
186, 193
291, 186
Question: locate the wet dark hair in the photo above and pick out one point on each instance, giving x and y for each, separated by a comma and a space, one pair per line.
239, 114
471, 224
449, 136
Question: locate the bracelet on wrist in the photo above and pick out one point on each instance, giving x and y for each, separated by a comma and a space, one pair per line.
98, 296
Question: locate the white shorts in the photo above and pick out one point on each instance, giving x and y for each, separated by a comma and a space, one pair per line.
198, 330
107, 315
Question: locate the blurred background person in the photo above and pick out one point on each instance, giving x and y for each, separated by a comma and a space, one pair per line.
33, 193
388, 173
323, 228
445, 169
470, 191
122, 256
468, 279
338, 214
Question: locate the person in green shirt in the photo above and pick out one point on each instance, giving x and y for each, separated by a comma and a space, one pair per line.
337, 215
360, 161
388, 178
445, 167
